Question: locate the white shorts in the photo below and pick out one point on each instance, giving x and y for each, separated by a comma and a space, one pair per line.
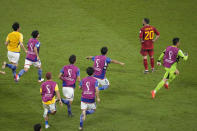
68, 92
88, 106
103, 82
51, 107
28, 63
13, 57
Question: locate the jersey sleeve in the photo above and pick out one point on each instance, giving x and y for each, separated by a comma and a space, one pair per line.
162, 55
180, 53
37, 45
93, 58
141, 33
41, 90
56, 88
78, 72
156, 32
96, 84
62, 70
21, 38
80, 84
108, 60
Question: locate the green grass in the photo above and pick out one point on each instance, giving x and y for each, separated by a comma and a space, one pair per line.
82, 27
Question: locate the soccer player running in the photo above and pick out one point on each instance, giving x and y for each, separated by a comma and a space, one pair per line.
100, 66
90, 92
170, 56
69, 74
32, 57
48, 90
13, 42
147, 43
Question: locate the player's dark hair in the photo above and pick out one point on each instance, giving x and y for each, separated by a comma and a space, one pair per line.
15, 26
175, 40
146, 20
48, 75
90, 71
35, 33
104, 50
37, 127
72, 59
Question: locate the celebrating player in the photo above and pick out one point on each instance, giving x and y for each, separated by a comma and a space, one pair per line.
170, 56
69, 74
32, 56
147, 47
90, 91
13, 42
100, 66
48, 90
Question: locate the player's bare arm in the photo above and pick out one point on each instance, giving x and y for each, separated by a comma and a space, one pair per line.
59, 97
157, 36
60, 76
117, 62
6, 43
97, 94
35, 50
89, 57
21, 44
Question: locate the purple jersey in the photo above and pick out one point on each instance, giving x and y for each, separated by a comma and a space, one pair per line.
170, 56
100, 66
70, 74
31, 55
48, 90
88, 86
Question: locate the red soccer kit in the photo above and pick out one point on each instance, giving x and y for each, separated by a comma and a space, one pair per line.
147, 34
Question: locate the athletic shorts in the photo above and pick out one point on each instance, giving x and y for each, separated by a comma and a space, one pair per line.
103, 82
88, 106
13, 57
145, 52
68, 92
28, 63
51, 107
169, 72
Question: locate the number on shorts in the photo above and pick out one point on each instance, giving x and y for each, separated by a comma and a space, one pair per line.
48, 89
97, 62
149, 35
88, 85
170, 54
69, 72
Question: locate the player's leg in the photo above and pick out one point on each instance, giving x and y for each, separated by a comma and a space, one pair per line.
26, 68
151, 54
46, 115
145, 62
38, 66
173, 74
104, 84
68, 93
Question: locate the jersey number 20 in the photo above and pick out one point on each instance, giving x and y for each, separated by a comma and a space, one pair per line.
149, 35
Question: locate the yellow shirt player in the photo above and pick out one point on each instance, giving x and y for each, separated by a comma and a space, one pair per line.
13, 42
48, 90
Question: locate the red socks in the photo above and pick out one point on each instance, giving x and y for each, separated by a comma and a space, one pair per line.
152, 62
145, 64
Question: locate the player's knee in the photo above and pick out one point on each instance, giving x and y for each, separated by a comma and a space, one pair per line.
151, 56
53, 112
144, 57
26, 69
70, 102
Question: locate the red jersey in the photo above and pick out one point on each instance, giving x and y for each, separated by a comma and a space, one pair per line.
147, 34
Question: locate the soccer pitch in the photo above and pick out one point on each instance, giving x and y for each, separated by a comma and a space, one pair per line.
82, 27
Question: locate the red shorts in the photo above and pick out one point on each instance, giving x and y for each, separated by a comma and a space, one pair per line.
145, 52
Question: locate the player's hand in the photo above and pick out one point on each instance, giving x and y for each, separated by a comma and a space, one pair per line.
98, 100
38, 58
176, 72
153, 40
26, 52
186, 54
88, 57
158, 63
60, 102
122, 64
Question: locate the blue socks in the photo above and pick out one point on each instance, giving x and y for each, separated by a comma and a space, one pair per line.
13, 67
87, 113
103, 87
66, 102
21, 72
49, 112
39, 74
46, 123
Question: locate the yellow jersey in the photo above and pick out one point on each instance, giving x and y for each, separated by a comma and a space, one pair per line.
53, 99
14, 38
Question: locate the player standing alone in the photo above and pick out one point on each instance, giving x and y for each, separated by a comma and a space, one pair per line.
90, 91
170, 56
69, 74
13, 42
32, 56
100, 66
48, 90
147, 43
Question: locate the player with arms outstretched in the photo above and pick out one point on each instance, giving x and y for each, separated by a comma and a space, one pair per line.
69, 74
13, 42
170, 56
147, 40
48, 90
90, 92
32, 57
100, 66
